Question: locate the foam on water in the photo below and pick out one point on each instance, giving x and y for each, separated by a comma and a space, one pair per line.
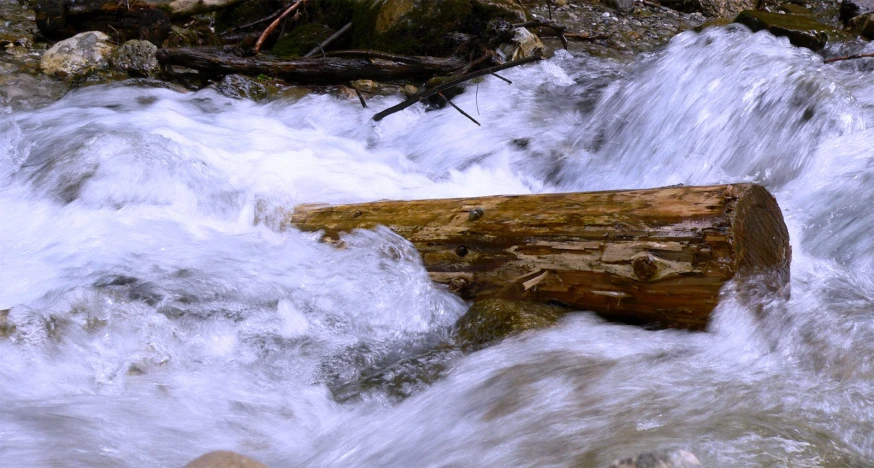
154, 320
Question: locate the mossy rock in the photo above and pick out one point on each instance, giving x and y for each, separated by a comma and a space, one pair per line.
492, 320
301, 40
802, 31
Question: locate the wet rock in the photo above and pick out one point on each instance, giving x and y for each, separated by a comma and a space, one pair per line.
492, 320
374, 87
802, 31
242, 87
622, 6
794, 9
659, 459
224, 459
78, 56
851, 8
6, 328
510, 10
137, 58
712, 8
863, 25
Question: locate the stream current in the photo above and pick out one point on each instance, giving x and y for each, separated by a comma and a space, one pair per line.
151, 320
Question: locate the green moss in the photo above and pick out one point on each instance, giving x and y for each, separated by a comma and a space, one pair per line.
492, 320
301, 40
802, 31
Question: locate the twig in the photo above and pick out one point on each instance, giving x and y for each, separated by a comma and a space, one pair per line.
549, 7
425, 94
254, 23
360, 98
538, 23
275, 23
848, 57
501, 77
329, 40
458, 109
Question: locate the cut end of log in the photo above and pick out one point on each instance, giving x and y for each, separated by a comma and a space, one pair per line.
656, 256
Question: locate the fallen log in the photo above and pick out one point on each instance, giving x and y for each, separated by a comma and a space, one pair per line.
322, 70
656, 256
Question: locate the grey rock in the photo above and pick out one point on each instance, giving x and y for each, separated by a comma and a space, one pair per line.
852, 8
78, 56
622, 6
137, 58
674, 458
802, 31
242, 87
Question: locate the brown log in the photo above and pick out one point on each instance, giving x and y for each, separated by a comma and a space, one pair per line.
322, 70
656, 256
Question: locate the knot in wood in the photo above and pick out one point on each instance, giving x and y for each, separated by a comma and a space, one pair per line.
461, 251
475, 214
458, 285
644, 266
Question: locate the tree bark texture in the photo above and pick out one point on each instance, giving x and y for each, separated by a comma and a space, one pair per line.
655, 256
322, 70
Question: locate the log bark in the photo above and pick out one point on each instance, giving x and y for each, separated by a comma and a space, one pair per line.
323, 70
656, 256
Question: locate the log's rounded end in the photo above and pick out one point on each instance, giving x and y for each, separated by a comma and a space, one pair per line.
759, 236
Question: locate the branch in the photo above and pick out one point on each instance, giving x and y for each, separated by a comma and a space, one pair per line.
539, 23
329, 40
425, 94
847, 57
458, 108
275, 23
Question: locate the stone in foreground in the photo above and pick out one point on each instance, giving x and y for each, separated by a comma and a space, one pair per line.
224, 459
801, 30
79, 55
659, 459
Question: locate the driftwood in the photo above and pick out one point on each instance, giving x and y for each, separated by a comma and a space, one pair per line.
655, 256
322, 70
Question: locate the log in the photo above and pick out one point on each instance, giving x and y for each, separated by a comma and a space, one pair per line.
656, 256
323, 70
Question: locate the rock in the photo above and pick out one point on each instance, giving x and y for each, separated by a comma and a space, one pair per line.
242, 87
863, 25
492, 320
6, 328
373, 87
802, 31
852, 8
712, 8
224, 459
659, 459
77, 56
510, 10
525, 44
622, 6
137, 58
793, 9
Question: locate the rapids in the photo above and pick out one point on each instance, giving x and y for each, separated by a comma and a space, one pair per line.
154, 321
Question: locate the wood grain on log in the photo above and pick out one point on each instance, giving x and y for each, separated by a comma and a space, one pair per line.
323, 70
656, 256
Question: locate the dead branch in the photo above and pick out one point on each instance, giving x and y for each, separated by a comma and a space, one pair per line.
216, 62
275, 23
449, 101
425, 94
332, 38
847, 57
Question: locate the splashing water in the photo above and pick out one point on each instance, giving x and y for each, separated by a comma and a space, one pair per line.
151, 320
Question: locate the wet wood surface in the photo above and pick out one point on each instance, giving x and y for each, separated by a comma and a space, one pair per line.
655, 256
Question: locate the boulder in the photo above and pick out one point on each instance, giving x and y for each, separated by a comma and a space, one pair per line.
659, 459
802, 31
711, 8
852, 8
137, 58
224, 459
78, 56
863, 25
492, 320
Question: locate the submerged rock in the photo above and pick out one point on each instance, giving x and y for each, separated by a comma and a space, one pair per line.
78, 56
6, 328
659, 459
852, 8
137, 58
242, 87
802, 31
492, 320
224, 459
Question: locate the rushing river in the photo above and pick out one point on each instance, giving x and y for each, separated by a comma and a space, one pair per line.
154, 321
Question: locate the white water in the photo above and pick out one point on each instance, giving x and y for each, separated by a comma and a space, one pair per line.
154, 321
